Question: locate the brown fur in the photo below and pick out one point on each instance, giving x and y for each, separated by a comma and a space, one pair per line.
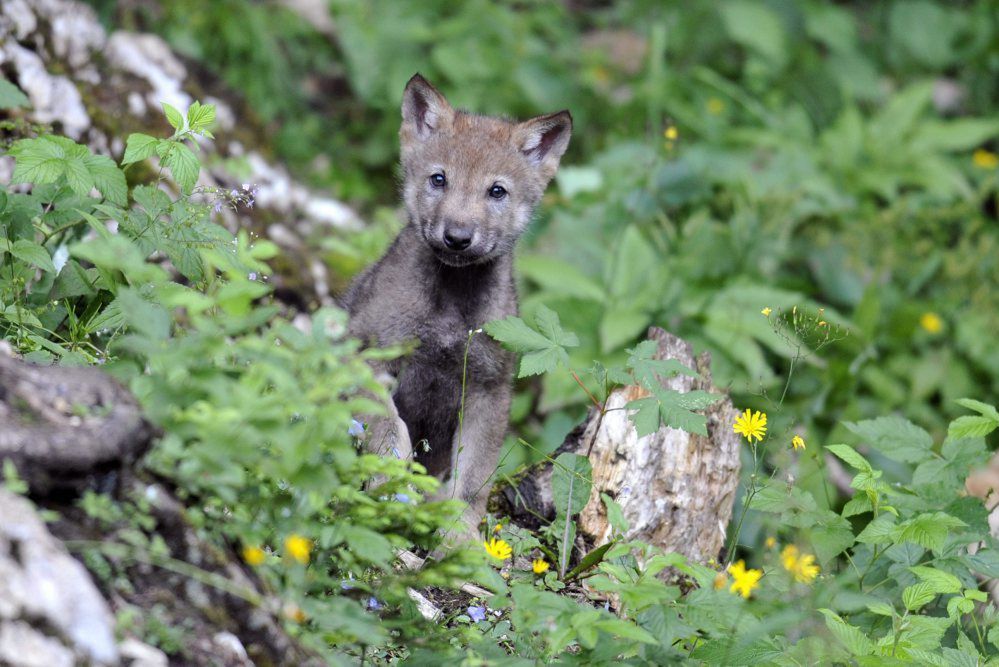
429, 289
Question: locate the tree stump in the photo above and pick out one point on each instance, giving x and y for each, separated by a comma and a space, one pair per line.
676, 488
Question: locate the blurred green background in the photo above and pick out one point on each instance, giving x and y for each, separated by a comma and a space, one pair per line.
727, 157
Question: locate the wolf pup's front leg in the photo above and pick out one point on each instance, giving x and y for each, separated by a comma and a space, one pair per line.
470, 186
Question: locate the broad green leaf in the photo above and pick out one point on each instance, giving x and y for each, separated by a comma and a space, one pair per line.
72, 281
830, 536
645, 367
183, 164
917, 596
559, 277
143, 316
139, 147
625, 630
895, 437
850, 456
927, 530
971, 426
853, 638
571, 483
878, 531
589, 561
33, 254
174, 117
941, 582
107, 178
542, 352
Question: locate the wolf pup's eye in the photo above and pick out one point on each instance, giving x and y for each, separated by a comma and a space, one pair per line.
497, 192
438, 180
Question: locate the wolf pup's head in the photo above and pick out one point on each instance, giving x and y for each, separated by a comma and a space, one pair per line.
471, 182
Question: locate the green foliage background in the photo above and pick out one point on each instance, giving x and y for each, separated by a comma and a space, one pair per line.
832, 162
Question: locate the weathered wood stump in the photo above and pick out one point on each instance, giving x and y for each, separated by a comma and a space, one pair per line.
676, 488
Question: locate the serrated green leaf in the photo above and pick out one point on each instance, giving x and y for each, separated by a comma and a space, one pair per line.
71, 281
107, 178
850, 456
941, 582
927, 530
542, 352
971, 426
144, 316
878, 531
917, 596
183, 165
139, 147
174, 117
895, 437
645, 367
853, 638
200, 117
33, 254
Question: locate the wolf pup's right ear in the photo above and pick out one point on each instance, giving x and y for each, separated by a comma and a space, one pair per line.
424, 110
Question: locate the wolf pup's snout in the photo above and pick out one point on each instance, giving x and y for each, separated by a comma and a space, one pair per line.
458, 237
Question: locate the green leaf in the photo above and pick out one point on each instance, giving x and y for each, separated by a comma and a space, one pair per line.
71, 281
970, 426
645, 367
542, 352
139, 147
33, 254
895, 437
878, 531
37, 161
853, 638
143, 316
625, 630
589, 561
174, 117
850, 456
183, 164
926, 530
200, 117
11, 96
107, 178
756, 27
941, 582
830, 536
615, 514
917, 596
571, 483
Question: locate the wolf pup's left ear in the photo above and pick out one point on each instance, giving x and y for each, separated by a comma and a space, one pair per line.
544, 139
424, 110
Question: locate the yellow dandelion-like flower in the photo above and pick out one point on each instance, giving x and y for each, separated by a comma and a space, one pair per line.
822, 323
671, 133
721, 580
715, 106
540, 566
801, 566
766, 311
751, 425
797, 442
806, 569
498, 548
253, 555
931, 322
984, 159
298, 548
770, 542
789, 557
497, 528
294, 613
744, 580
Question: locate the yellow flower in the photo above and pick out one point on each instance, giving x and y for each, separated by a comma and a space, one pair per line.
822, 323
294, 613
797, 442
801, 566
721, 579
771, 542
715, 106
751, 425
671, 133
540, 566
931, 322
766, 311
253, 555
298, 548
497, 528
498, 549
984, 159
745, 580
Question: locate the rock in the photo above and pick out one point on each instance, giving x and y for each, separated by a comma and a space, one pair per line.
139, 654
45, 590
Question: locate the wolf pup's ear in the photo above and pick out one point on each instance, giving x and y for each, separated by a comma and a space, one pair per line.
424, 110
544, 139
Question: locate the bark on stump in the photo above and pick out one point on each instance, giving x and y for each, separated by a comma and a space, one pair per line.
676, 488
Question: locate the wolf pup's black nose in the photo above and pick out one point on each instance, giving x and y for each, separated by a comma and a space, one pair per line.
458, 238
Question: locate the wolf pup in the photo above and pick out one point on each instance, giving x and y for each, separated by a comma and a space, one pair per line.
470, 185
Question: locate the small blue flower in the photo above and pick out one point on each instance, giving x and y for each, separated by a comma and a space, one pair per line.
402, 498
374, 604
346, 585
356, 428
477, 614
